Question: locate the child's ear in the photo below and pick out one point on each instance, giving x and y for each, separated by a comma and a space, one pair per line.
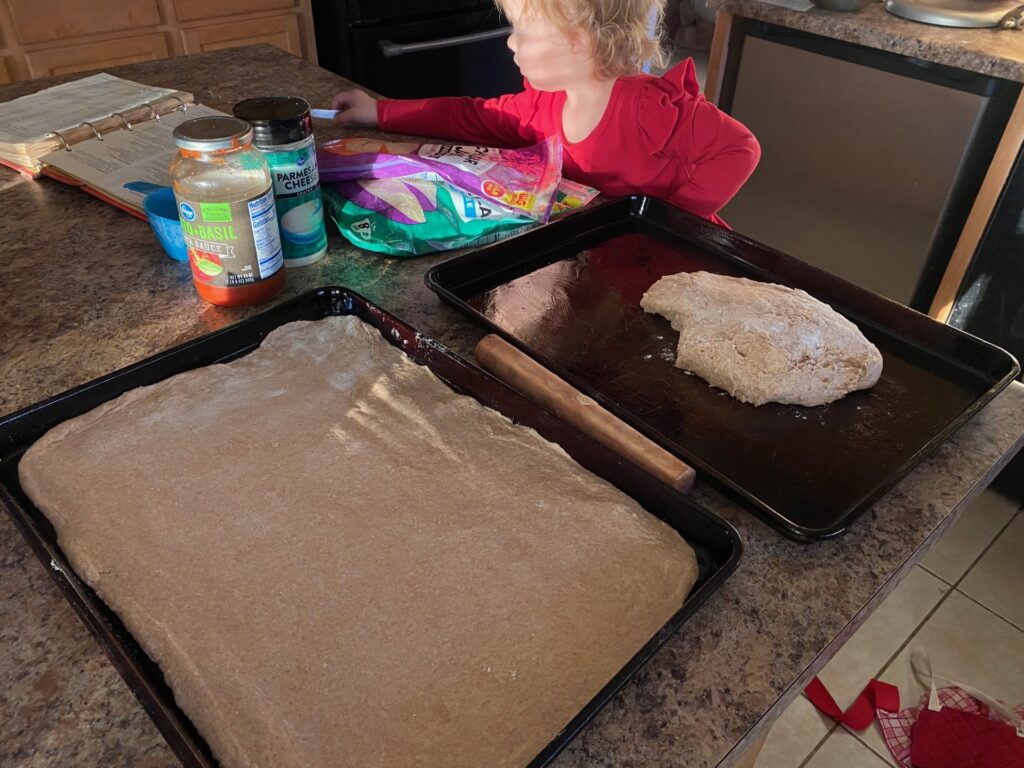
581, 43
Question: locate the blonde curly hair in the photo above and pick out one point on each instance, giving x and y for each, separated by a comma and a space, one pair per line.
620, 29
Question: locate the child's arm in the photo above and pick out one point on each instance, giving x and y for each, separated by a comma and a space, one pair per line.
494, 122
718, 156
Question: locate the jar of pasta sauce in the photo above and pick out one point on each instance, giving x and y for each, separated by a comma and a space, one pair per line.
225, 201
284, 133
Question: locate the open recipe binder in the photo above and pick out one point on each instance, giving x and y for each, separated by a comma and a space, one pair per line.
100, 133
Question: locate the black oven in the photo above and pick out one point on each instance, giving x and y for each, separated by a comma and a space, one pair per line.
417, 48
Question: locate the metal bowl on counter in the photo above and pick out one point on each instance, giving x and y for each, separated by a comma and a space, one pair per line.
841, 5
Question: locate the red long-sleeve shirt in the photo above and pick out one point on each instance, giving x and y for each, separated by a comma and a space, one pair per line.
658, 136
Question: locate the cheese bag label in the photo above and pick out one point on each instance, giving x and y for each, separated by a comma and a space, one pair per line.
523, 181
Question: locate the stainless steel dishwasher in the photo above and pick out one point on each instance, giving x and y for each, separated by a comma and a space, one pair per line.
870, 160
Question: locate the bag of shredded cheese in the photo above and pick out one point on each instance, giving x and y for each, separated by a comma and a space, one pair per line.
523, 181
414, 216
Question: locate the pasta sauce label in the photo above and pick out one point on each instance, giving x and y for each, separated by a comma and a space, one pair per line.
232, 244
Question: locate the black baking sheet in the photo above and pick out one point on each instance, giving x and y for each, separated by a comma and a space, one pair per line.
569, 294
716, 543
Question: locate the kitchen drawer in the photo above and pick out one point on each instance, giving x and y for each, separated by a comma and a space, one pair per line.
282, 31
99, 55
197, 10
40, 21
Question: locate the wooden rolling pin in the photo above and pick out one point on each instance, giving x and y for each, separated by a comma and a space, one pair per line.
525, 374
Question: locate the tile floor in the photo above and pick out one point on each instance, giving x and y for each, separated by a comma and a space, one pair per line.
964, 603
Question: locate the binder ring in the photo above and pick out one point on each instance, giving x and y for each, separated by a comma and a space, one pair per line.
125, 120
92, 127
59, 135
181, 104
152, 111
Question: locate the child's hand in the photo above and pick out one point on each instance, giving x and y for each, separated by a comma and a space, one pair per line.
355, 108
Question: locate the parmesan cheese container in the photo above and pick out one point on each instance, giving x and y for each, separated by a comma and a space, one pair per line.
283, 132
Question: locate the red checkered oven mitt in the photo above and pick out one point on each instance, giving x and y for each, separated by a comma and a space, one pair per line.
898, 728
952, 738
955, 727
962, 737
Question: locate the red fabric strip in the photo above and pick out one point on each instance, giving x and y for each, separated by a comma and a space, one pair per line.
818, 695
876, 695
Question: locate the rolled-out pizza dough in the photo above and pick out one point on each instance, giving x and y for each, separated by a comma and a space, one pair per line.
339, 562
763, 342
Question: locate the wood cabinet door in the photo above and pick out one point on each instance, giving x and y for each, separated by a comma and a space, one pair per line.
61, 60
4, 75
282, 31
40, 21
196, 10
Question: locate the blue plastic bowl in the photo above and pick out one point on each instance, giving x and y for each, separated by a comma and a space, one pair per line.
162, 212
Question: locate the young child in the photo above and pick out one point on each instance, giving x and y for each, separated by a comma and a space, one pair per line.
622, 131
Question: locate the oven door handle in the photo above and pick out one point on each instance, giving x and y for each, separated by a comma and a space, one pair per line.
390, 49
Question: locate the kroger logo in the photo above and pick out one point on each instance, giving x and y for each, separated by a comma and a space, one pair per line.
188, 212
301, 160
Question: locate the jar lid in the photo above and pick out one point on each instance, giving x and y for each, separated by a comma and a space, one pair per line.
276, 119
206, 134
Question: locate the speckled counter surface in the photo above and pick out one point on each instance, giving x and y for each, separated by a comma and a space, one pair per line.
84, 290
994, 52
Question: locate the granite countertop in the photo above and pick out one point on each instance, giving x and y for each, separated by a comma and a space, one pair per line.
997, 52
84, 290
